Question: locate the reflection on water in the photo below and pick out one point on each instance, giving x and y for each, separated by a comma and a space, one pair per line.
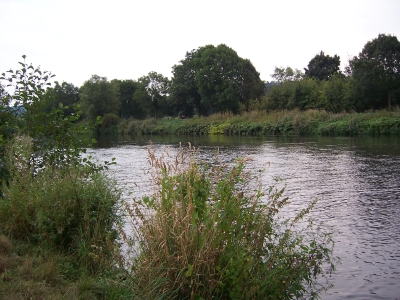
357, 182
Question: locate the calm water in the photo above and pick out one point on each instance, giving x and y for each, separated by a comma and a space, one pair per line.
357, 182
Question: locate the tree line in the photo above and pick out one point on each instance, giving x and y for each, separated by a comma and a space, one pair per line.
213, 79
370, 81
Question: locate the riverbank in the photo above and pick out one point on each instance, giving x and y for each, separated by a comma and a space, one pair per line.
311, 122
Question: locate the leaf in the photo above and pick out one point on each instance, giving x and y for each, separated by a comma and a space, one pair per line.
189, 271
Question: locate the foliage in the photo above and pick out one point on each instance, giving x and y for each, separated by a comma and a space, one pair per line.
7, 127
156, 86
29, 85
280, 122
98, 97
286, 74
65, 94
333, 95
322, 66
206, 235
69, 209
131, 106
214, 79
252, 88
376, 73
55, 136
184, 91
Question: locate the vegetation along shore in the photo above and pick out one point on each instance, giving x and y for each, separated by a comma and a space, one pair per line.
213, 231
295, 122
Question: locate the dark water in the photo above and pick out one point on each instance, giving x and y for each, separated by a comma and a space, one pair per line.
356, 180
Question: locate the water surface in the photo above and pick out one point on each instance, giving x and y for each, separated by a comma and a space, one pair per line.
356, 182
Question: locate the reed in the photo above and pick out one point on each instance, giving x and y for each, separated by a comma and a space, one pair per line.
211, 231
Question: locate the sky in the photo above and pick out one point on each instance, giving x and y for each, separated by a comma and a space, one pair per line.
124, 39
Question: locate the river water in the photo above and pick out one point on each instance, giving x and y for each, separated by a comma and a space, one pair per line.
356, 181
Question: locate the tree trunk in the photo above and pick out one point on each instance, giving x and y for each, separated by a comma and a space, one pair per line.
389, 103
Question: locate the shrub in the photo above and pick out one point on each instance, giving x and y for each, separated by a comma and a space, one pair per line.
206, 234
109, 120
67, 209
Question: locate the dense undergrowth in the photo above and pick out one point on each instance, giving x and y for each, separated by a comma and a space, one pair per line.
310, 122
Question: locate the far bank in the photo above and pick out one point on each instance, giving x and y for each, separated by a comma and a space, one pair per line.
295, 122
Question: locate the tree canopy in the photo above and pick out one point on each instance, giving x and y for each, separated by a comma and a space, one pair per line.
131, 106
376, 73
215, 79
99, 97
282, 74
65, 93
322, 66
157, 87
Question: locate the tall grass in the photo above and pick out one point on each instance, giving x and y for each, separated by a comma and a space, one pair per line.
207, 233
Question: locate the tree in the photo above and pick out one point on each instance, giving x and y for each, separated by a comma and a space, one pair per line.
55, 136
286, 74
184, 91
4, 97
251, 85
131, 107
157, 87
29, 84
376, 73
67, 94
214, 79
7, 119
322, 66
98, 97
217, 78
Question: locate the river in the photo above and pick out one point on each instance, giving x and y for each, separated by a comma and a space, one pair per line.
355, 179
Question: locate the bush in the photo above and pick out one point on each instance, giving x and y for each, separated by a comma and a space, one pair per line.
206, 235
66, 209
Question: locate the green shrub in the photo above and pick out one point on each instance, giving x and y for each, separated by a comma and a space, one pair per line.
67, 209
206, 234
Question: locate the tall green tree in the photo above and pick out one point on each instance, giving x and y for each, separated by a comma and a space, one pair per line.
376, 73
184, 91
251, 88
157, 88
131, 107
99, 97
214, 79
323, 66
217, 78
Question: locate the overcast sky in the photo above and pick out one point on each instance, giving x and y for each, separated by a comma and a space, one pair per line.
124, 39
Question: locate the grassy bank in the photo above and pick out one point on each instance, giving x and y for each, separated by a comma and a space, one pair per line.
311, 122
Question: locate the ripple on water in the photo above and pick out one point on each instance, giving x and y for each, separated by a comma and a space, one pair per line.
358, 191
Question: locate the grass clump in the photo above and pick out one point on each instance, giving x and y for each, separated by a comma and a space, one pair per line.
210, 232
